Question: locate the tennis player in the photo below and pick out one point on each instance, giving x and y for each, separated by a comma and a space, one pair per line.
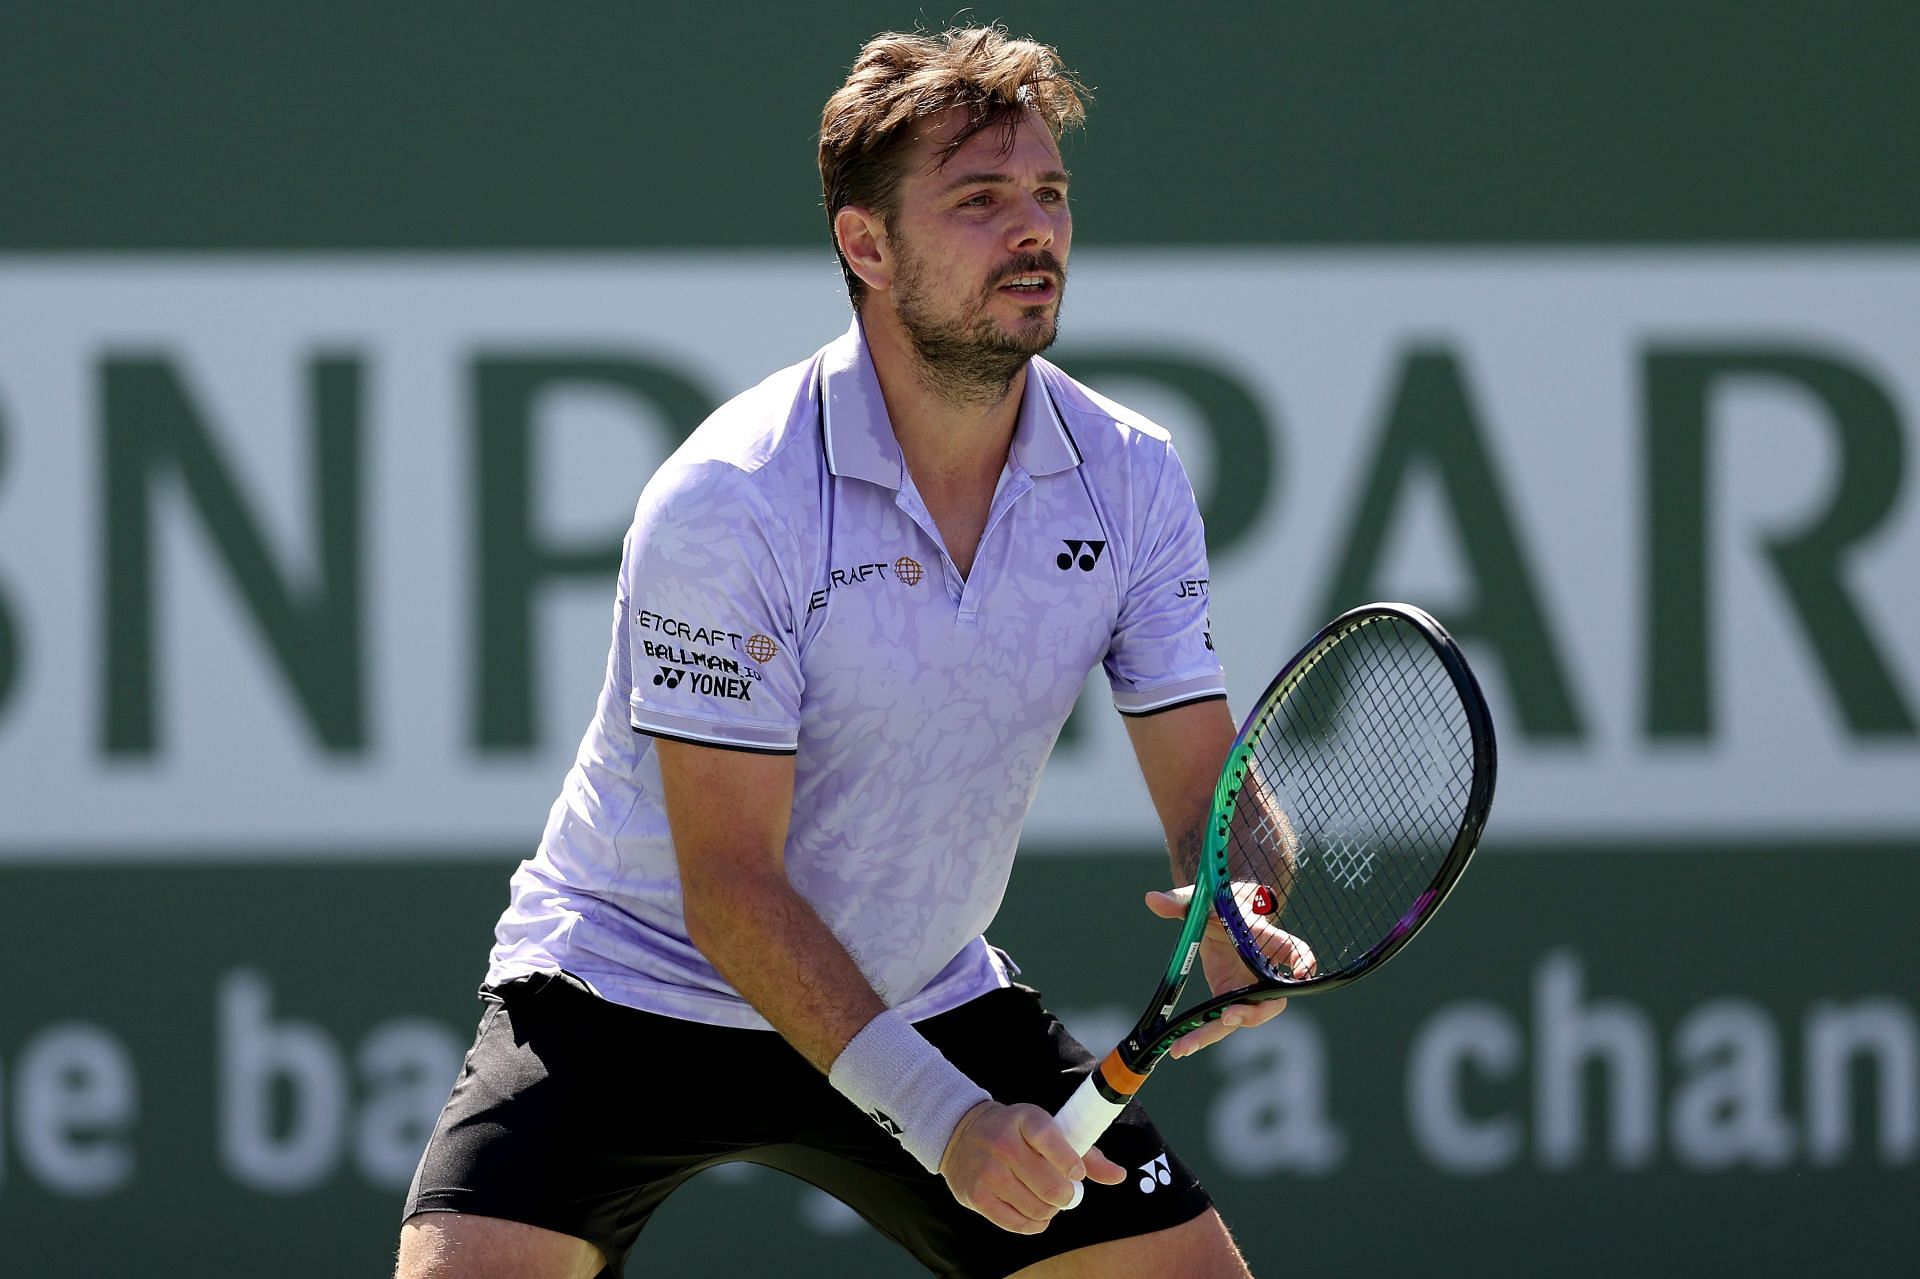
853, 611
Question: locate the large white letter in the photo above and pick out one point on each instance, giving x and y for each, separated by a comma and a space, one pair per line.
1568, 1036
75, 1077
1453, 1036
411, 1064
254, 1053
1883, 1028
1727, 1109
1271, 1116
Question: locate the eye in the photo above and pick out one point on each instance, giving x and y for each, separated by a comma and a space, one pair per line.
980, 201
1050, 195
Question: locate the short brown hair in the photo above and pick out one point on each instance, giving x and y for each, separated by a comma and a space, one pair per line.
901, 79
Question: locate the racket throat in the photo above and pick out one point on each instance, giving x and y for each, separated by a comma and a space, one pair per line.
1178, 978
1115, 1080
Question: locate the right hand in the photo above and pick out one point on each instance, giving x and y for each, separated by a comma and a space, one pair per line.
1013, 1166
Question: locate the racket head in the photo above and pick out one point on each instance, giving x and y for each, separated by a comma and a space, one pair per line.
1352, 800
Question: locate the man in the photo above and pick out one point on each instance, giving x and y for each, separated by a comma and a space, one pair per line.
853, 612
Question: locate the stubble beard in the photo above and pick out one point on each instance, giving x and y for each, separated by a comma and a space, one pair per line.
970, 359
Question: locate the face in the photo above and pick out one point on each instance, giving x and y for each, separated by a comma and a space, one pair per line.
980, 246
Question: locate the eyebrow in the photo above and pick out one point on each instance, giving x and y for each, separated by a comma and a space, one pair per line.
1054, 177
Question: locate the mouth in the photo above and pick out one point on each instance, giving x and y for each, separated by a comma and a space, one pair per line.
1032, 288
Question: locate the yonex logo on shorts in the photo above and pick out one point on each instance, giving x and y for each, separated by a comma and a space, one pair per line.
1155, 1173
1085, 554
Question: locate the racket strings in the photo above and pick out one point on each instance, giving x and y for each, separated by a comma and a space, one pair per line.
1388, 811
1351, 798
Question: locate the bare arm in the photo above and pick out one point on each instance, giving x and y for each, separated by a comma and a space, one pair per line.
1181, 752
729, 812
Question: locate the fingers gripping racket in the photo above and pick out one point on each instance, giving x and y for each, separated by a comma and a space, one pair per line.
1350, 803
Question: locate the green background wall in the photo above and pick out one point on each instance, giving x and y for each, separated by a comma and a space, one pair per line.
1668, 938
231, 125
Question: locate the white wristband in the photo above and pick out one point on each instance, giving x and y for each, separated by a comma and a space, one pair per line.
903, 1084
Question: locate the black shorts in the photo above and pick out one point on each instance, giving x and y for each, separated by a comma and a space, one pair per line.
580, 1115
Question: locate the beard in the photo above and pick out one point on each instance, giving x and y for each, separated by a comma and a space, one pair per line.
968, 358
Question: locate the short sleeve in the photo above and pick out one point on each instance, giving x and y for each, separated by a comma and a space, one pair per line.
1162, 652
708, 615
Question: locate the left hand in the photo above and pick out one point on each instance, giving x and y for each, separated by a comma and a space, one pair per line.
1224, 970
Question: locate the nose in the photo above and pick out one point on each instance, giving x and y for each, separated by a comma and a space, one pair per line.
1032, 227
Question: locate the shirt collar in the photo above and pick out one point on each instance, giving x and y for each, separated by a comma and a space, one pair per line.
859, 435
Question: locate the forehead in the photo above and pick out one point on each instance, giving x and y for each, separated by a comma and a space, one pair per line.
1032, 148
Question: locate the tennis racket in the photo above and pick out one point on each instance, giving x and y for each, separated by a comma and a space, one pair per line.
1352, 799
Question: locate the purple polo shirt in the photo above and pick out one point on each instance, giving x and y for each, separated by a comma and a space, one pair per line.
784, 589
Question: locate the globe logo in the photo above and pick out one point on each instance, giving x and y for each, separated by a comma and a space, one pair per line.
908, 571
761, 648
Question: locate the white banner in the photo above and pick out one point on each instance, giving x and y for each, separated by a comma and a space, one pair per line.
1678, 487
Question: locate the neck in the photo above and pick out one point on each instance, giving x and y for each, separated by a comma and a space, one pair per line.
954, 423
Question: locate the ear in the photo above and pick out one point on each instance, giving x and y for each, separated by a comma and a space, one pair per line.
863, 242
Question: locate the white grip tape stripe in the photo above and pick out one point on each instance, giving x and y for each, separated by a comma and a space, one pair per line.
1084, 1117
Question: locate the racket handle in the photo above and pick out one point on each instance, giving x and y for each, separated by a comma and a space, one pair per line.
1084, 1117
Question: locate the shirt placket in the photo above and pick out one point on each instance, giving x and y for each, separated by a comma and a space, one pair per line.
967, 593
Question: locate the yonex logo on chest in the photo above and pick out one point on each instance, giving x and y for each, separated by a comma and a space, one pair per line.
1080, 553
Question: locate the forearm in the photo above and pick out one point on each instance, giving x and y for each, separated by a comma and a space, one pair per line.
773, 948
771, 945
1181, 752
1185, 844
